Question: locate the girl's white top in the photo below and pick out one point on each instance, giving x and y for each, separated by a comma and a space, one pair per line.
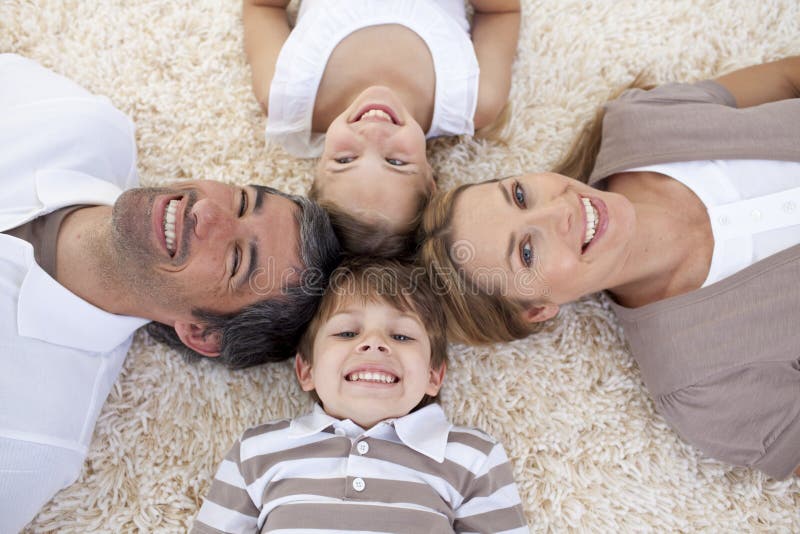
322, 24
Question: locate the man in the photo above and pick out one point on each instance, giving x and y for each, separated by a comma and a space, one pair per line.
222, 271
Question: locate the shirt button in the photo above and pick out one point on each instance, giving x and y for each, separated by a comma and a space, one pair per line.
756, 215
339, 432
724, 219
789, 206
362, 447
359, 484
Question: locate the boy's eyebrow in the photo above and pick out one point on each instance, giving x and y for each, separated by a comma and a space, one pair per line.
392, 168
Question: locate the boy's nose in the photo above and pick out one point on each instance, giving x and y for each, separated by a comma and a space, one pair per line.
374, 343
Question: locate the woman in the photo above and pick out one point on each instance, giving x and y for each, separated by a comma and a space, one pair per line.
691, 222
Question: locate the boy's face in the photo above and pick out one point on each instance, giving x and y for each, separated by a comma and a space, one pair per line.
374, 160
371, 362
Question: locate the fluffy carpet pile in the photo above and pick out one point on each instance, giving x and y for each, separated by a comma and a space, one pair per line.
590, 453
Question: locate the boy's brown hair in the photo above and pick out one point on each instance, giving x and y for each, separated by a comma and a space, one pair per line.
399, 284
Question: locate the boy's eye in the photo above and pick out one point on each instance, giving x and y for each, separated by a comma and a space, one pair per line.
526, 254
519, 194
396, 162
402, 337
345, 160
243, 203
346, 334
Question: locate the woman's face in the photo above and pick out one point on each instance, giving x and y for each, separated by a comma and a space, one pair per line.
542, 238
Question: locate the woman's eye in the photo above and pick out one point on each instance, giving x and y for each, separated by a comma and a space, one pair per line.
519, 195
396, 162
243, 203
401, 337
346, 334
526, 254
345, 160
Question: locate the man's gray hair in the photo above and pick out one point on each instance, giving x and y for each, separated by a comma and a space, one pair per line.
269, 331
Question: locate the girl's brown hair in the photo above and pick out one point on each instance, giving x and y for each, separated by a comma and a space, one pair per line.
473, 315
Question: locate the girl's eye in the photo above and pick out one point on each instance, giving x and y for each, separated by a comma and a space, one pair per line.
243, 204
526, 254
401, 337
396, 162
519, 195
345, 160
346, 334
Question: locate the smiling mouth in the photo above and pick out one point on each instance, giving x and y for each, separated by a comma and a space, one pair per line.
376, 113
374, 377
169, 225
592, 220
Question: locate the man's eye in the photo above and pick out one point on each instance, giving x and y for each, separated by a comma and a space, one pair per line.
402, 337
526, 254
237, 260
519, 195
345, 160
243, 203
346, 334
396, 162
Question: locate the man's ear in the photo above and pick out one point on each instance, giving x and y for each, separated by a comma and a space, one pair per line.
199, 338
303, 371
539, 313
435, 380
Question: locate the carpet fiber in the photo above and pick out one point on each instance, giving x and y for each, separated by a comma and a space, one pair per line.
588, 449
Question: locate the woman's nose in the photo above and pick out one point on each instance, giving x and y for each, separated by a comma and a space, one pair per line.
556, 215
209, 218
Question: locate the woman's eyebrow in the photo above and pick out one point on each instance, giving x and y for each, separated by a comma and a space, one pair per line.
505, 194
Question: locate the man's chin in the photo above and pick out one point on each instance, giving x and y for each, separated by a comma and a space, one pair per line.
131, 227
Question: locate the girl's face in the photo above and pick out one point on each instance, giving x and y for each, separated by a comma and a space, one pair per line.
542, 238
374, 162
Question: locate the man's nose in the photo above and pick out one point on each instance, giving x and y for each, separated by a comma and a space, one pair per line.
210, 218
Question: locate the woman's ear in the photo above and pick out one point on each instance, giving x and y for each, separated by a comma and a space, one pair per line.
199, 338
435, 380
303, 371
537, 313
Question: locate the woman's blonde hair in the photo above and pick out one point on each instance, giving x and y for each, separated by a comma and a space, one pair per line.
474, 315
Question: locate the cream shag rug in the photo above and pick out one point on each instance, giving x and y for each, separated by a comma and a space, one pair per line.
589, 452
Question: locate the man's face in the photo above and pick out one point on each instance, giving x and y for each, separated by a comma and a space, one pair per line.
206, 245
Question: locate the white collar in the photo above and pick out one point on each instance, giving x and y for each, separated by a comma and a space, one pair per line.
48, 311
425, 431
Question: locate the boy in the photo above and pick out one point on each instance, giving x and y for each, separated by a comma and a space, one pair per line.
376, 454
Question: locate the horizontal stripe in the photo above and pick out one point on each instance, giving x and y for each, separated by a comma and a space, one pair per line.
217, 517
332, 447
479, 442
498, 477
376, 491
494, 521
233, 498
266, 428
356, 517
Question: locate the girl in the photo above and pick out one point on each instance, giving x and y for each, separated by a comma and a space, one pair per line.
363, 83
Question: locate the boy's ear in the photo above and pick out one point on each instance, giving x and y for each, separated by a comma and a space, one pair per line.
435, 380
199, 338
303, 371
539, 313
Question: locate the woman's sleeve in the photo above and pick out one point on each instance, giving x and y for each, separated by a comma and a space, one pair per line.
748, 415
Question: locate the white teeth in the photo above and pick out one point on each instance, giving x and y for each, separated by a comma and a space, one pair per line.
370, 376
377, 113
592, 218
169, 225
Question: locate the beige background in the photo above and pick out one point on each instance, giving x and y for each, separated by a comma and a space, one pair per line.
588, 450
